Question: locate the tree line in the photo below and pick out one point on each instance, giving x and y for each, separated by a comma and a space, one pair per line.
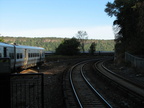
51, 43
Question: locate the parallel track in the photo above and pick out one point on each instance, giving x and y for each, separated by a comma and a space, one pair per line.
134, 90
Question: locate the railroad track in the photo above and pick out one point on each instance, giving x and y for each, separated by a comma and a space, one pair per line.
134, 90
84, 94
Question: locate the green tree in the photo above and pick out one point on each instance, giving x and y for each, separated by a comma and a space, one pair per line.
128, 26
68, 47
1, 39
92, 48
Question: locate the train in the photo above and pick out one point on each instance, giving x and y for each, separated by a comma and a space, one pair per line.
21, 56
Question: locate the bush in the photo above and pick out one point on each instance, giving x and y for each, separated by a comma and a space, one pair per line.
68, 47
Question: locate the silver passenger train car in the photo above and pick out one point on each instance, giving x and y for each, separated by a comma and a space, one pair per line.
22, 56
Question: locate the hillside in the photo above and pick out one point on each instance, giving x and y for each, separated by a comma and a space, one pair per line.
51, 43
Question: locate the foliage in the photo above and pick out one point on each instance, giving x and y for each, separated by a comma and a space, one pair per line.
51, 43
82, 37
68, 47
92, 48
1, 39
129, 25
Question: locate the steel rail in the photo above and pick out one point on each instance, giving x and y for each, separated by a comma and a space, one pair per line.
119, 76
130, 86
71, 82
72, 85
90, 85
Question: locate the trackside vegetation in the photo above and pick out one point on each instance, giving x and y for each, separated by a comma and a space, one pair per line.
52, 43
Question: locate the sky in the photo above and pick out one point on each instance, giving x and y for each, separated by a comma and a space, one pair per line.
55, 18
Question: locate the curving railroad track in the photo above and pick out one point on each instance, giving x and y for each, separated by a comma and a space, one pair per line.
89, 84
84, 94
134, 90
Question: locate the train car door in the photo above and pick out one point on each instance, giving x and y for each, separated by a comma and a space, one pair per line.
40, 55
5, 52
25, 58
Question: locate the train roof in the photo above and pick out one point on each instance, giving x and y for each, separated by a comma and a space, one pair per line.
5, 44
20, 46
28, 47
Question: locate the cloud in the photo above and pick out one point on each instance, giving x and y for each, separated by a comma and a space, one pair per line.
98, 32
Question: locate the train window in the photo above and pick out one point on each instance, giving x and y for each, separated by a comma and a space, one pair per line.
21, 55
29, 54
5, 51
18, 56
